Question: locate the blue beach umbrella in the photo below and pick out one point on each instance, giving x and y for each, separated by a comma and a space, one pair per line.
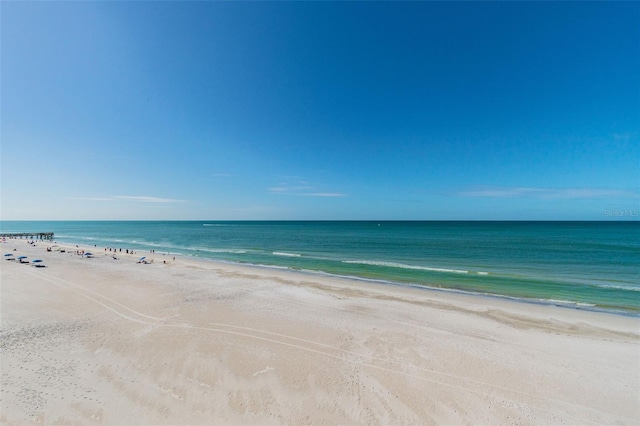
38, 263
142, 258
22, 257
8, 254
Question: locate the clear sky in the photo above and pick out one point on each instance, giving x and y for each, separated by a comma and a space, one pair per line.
342, 110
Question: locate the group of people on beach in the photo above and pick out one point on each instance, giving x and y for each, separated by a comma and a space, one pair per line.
116, 250
128, 251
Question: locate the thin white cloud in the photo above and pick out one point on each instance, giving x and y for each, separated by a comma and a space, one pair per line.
290, 189
147, 199
303, 190
91, 198
561, 193
622, 136
324, 194
140, 199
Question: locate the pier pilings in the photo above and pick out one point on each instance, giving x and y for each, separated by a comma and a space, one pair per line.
29, 235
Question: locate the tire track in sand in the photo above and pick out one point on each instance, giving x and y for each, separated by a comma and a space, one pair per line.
70, 286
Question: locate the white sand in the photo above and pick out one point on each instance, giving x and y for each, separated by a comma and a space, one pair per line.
103, 341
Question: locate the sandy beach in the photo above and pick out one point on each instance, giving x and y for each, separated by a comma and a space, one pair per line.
105, 341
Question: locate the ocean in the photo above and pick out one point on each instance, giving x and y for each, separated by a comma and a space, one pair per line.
579, 265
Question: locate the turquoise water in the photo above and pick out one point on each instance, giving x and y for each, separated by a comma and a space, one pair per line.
584, 265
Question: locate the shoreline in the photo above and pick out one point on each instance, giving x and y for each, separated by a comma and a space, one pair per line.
564, 304
197, 340
455, 295
533, 262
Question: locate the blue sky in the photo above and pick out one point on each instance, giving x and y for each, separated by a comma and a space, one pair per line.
417, 110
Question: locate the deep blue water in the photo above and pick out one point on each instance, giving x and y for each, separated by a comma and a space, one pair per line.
587, 265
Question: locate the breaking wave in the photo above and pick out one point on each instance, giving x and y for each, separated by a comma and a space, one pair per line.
282, 253
414, 267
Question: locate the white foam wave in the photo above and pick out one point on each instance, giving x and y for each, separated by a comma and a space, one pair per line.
566, 302
262, 265
75, 237
620, 287
282, 253
405, 266
209, 250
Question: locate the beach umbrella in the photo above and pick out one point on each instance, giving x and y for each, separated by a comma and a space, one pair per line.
22, 257
8, 254
142, 258
38, 263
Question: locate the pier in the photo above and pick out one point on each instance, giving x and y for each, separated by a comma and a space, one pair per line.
30, 235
